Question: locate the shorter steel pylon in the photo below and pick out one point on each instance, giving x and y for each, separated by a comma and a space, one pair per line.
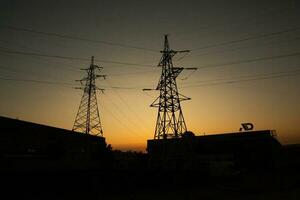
88, 118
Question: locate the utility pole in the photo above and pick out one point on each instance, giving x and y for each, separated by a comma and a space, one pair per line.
88, 118
170, 121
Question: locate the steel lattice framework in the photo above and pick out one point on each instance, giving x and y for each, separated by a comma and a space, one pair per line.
88, 118
170, 121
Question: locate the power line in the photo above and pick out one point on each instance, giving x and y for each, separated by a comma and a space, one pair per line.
249, 47
245, 76
250, 60
12, 70
15, 71
37, 81
121, 123
42, 55
116, 74
63, 64
246, 39
189, 75
76, 38
125, 115
204, 82
58, 83
124, 125
64, 83
42, 62
126, 104
34, 50
236, 22
41, 65
71, 58
125, 88
132, 73
243, 80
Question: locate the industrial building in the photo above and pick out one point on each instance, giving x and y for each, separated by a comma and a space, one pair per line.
218, 154
30, 146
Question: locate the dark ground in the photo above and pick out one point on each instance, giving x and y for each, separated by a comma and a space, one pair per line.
283, 184
280, 182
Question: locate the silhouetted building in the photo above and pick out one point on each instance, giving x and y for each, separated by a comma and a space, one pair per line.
218, 154
292, 156
29, 146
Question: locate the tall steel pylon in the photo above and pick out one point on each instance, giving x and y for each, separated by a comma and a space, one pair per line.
170, 122
88, 118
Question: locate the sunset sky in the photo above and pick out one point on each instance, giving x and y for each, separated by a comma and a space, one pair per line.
247, 54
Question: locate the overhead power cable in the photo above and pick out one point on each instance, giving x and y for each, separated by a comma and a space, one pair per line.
33, 50
243, 76
250, 60
249, 47
27, 73
77, 38
126, 104
63, 83
42, 55
244, 80
133, 73
71, 58
236, 22
246, 39
120, 122
37, 81
211, 82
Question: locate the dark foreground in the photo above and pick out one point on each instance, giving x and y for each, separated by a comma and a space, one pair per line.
42, 162
280, 184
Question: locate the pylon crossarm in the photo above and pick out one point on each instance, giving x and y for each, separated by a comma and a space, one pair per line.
183, 98
101, 76
101, 89
98, 67
155, 104
176, 71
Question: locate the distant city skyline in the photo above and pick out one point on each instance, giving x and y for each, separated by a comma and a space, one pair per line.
246, 52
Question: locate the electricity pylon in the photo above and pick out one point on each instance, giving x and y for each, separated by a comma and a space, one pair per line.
170, 122
88, 118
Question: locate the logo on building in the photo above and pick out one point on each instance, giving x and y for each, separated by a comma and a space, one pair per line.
247, 127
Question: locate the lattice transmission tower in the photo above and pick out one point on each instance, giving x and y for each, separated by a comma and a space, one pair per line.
170, 121
88, 118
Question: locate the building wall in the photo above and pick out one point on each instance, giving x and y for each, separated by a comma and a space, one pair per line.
25, 144
253, 150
